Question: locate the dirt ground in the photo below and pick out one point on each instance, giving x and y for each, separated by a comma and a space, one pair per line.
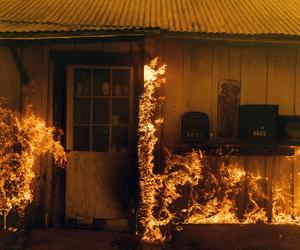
75, 239
192, 237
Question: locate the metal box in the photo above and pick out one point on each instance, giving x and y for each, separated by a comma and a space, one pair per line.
258, 123
289, 130
194, 127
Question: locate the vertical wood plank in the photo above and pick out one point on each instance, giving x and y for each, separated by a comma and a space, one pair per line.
201, 79
186, 74
256, 76
174, 103
281, 87
235, 63
121, 47
214, 88
9, 80
297, 160
271, 74
244, 75
96, 47
224, 66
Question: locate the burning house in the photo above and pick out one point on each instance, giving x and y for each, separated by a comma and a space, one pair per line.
231, 100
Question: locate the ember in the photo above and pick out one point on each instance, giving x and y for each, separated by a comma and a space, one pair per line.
22, 139
211, 195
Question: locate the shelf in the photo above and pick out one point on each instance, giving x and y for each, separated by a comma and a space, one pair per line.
234, 147
82, 96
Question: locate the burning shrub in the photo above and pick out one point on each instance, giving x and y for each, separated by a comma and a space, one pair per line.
23, 137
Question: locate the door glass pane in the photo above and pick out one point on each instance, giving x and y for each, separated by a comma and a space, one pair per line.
120, 110
120, 83
81, 110
101, 83
101, 110
81, 138
120, 139
82, 81
101, 138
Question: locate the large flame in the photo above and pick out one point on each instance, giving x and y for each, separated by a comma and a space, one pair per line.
192, 190
22, 139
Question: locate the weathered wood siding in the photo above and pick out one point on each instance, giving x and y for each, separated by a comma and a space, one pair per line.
10, 87
39, 94
97, 185
268, 75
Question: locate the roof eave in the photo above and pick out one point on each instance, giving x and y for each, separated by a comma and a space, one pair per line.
137, 34
267, 39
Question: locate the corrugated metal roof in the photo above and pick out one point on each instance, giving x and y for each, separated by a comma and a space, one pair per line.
250, 17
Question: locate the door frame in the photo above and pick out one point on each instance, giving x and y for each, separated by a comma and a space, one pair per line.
60, 60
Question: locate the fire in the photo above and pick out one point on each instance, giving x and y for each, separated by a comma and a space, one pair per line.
22, 139
191, 191
149, 182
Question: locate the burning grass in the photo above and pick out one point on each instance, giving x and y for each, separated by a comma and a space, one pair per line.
23, 137
190, 191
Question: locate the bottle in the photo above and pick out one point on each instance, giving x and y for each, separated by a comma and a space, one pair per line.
118, 89
79, 88
86, 88
105, 88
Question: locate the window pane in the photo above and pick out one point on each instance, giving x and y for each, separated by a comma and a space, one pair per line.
81, 110
81, 138
82, 81
101, 83
100, 138
120, 84
120, 139
120, 109
101, 110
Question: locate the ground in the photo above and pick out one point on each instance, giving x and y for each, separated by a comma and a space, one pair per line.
13, 240
75, 239
208, 237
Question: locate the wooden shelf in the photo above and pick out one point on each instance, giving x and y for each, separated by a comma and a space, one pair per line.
234, 147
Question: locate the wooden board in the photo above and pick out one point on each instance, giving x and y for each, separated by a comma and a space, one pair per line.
174, 92
228, 103
97, 185
9, 79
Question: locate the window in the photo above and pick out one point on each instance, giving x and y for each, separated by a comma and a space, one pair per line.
99, 108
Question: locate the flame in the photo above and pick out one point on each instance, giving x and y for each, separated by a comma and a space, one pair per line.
190, 191
149, 182
22, 139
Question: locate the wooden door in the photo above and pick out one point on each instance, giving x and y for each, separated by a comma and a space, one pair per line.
99, 138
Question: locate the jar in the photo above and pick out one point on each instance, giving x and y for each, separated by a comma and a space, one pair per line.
79, 88
125, 90
118, 89
105, 88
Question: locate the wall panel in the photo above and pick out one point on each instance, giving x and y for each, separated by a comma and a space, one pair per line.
174, 92
268, 75
10, 87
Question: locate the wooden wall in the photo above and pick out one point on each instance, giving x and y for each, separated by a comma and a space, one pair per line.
10, 87
268, 75
39, 94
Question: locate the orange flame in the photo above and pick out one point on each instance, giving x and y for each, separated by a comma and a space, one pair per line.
190, 191
22, 140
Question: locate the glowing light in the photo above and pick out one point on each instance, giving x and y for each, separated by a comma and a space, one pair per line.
22, 139
208, 195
